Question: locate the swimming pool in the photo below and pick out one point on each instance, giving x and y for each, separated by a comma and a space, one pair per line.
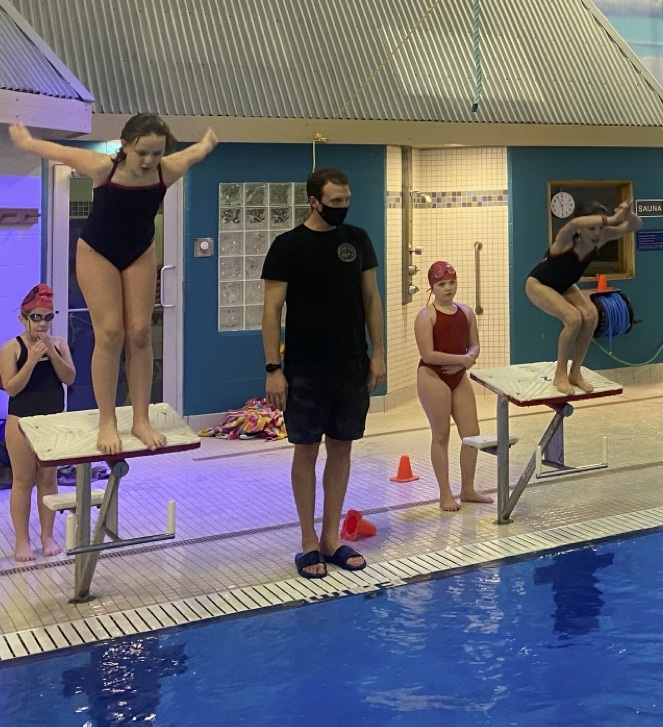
572, 638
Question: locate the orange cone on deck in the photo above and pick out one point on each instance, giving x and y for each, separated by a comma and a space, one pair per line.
602, 282
355, 525
404, 473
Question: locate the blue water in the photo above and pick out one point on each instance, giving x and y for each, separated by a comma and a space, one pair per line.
570, 639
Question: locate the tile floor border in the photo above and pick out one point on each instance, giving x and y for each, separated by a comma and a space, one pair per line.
250, 600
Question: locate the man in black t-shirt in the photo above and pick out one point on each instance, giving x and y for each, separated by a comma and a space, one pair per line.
325, 271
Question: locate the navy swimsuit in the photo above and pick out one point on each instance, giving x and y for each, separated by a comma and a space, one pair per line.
43, 394
560, 272
121, 223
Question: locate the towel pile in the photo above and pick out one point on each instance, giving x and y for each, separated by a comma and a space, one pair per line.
257, 418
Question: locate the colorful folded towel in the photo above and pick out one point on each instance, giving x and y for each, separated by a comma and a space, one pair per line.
257, 418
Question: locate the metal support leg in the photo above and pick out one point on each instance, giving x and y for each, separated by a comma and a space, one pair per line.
526, 476
553, 452
502, 460
86, 562
83, 497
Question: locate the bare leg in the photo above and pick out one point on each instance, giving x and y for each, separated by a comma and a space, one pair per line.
435, 397
563, 308
47, 484
303, 490
24, 465
464, 413
101, 285
138, 287
590, 318
335, 483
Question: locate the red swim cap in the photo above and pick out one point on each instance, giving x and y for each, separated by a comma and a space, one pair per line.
41, 296
440, 271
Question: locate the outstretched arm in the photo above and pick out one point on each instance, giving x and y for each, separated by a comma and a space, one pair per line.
175, 165
90, 163
622, 222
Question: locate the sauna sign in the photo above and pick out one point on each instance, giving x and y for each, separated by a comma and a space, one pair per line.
649, 207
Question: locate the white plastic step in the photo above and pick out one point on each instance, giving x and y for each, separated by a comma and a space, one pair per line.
486, 441
59, 503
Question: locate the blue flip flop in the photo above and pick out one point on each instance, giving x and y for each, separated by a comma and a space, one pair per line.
341, 557
304, 560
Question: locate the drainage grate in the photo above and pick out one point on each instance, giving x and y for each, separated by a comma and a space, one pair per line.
387, 574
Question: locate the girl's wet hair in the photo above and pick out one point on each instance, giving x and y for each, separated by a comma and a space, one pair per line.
585, 209
144, 125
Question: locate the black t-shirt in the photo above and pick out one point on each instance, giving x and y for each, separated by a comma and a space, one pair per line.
325, 318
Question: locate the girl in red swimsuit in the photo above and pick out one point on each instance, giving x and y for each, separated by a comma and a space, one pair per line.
448, 340
116, 263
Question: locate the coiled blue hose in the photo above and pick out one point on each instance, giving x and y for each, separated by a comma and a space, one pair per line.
617, 316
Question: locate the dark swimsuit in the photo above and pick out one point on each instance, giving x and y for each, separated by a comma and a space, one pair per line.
449, 336
43, 394
121, 223
561, 271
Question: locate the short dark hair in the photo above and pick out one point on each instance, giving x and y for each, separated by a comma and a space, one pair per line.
591, 207
144, 125
317, 180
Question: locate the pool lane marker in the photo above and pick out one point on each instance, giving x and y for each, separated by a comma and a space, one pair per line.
297, 591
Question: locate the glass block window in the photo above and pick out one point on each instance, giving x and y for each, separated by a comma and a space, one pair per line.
251, 215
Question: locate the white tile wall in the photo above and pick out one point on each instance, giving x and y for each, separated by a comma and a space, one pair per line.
449, 234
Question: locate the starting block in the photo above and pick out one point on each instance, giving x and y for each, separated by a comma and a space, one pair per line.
532, 385
71, 438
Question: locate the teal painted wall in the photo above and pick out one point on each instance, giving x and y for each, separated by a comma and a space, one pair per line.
533, 333
223, 370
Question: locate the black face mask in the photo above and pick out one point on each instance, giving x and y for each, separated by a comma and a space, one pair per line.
333, 216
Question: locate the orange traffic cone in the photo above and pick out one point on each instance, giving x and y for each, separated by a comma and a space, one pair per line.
355, 525
404, 473
602, 283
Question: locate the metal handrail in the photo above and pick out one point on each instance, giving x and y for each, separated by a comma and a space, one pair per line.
478, 246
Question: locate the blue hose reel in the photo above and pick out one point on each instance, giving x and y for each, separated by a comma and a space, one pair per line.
615, 313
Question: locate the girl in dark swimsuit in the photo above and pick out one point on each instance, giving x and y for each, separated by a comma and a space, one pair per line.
115, 258
552, 287
448, 341
33, 368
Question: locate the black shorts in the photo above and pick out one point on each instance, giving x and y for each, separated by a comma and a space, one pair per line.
330, 399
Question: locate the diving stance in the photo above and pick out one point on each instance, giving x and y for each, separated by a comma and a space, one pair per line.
551, 285
116, 264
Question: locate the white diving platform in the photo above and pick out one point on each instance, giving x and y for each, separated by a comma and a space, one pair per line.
71, 438
532, 385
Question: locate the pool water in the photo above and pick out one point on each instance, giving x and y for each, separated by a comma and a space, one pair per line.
574, 638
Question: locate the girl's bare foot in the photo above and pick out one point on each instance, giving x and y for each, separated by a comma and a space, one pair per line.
23, 553
577, 380
108, 440
448, 503
562, 384
50, 547
474, 496
149, 436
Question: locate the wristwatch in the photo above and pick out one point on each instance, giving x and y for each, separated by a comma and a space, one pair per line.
271, 368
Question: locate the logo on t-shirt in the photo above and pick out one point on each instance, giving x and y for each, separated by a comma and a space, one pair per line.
346, 252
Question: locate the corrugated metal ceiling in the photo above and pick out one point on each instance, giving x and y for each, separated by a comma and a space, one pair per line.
543, 61
24, 68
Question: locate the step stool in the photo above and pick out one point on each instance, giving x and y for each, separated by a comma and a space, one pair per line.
486, 442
